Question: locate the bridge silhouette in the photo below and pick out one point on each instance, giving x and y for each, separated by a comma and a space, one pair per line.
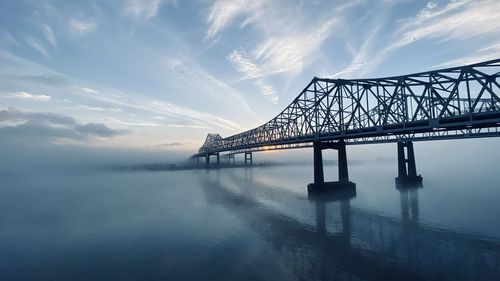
452, 103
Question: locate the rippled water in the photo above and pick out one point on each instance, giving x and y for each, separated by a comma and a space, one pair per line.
249, 224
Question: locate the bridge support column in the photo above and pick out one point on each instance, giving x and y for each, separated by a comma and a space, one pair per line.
319, 179
248, 158
407, 170
207, 160
230, 157
218, 159
342, 162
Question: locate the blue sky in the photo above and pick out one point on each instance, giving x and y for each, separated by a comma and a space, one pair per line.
161, 74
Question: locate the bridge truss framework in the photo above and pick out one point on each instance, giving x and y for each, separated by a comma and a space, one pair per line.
453, 103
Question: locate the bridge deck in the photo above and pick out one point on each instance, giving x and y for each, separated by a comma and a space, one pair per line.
459, 102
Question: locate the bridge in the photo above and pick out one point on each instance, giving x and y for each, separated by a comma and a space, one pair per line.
452, 103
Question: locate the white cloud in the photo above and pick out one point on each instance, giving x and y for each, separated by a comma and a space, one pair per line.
144, 8
87, 90
134, 123
291, 53
188, 114
49, 35
290, 38
223, 12
127, 101
82, 27
29, 96
267, 91
211, 86
289, 42
187, 126
252, 71
431, 4
37, 45
458, 20
243, 64
163, 108
7, 39
488, 53
102, 109
363, 59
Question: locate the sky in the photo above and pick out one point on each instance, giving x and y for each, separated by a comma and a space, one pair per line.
161, 74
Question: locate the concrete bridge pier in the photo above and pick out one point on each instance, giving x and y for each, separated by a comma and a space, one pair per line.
407, 169
207, 158
319, 179
230, 157
248, 158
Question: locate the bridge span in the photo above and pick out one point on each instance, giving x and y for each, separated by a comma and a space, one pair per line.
452, 103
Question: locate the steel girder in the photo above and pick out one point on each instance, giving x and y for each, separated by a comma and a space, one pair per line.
458, 102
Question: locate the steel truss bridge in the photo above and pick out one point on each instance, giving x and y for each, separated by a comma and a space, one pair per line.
453, 103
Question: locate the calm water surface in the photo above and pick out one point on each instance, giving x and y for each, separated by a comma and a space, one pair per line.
249, 224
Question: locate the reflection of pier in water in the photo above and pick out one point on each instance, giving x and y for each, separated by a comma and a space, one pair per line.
361, 244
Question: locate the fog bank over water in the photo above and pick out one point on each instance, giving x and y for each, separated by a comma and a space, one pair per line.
72, 158
40, 154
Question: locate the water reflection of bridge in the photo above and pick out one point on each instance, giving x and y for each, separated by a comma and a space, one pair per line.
321, 240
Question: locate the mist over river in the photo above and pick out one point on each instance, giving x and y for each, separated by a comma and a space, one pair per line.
255, 223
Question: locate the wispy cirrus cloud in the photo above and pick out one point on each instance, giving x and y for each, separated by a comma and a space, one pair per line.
127, 101
252, 71
291, 39
223, 12
29, 96
158, 107
37, 45
289, 42
81, 27
292, 52
197, 77
87, 90
144, 8
49, 35
488, 53
363, 59
100, 109
134, 123
267, 90
457, 20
